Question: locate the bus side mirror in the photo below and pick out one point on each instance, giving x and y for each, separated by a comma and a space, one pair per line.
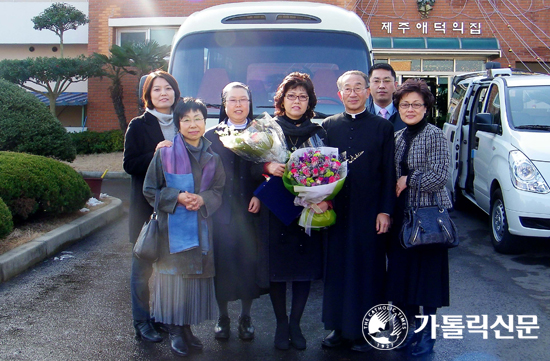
484, 122
140, 100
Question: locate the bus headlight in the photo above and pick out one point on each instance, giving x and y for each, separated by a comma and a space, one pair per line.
524, 175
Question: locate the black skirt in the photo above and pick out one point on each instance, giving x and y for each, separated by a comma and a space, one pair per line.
416, 276
293, 255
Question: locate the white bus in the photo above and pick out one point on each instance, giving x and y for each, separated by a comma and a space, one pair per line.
259, 43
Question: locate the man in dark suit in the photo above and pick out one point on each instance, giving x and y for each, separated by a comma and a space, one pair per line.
383, 84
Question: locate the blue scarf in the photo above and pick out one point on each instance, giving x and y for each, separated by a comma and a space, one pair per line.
183, 225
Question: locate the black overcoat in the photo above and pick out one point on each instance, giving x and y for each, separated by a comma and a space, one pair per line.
355, 254
293, 255
142, 136
240, 264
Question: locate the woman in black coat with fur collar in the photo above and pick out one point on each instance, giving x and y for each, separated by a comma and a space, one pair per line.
152, 130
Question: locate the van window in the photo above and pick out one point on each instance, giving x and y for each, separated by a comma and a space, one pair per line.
529, 106
493, 104
205, 62
456, 103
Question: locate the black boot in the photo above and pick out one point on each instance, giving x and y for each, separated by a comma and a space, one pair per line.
425, 343
411, 337
191, 340
282, 335
246, 330
177, 340
222, 329
146, 331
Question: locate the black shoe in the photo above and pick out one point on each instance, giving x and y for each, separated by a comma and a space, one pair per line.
425, 345
222, 330
246, 330
297, 339
282, 336
361, 346
146, 331
191, 340
177, 341
409, 340
334, 339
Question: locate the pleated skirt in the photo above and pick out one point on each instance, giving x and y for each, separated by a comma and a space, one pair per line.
182, 301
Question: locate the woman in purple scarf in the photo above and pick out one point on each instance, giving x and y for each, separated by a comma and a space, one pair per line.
189, 178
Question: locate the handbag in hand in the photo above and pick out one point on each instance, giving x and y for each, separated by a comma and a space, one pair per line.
428, 226
146, 247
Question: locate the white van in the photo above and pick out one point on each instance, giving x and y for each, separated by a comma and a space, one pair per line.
499, 138
259, 43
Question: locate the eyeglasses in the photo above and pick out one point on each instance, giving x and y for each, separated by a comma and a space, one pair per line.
292, 97
235, 101
357, 90
377, 82
189, 120
407, 105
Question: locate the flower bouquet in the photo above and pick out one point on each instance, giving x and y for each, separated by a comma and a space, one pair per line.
262, 140
315, 175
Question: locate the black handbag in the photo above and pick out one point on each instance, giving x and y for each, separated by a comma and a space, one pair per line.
424, 226
146, 247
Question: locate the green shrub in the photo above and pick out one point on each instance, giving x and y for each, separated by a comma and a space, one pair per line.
27, 126
31, 184
89, 142
6, 221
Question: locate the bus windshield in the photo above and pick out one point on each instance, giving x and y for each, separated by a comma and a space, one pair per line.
203, 63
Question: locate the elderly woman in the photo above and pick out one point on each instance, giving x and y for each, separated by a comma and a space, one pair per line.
147, 133
418, 276
189, 178
293, 255
236, 224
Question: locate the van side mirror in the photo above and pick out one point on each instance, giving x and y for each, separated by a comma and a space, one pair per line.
484, 122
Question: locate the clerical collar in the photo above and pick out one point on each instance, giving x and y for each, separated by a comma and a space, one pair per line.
237, 126
353, 116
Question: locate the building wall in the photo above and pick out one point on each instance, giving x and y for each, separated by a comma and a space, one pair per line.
502, 22
101, 114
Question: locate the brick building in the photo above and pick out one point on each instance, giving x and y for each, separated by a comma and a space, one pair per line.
435, 40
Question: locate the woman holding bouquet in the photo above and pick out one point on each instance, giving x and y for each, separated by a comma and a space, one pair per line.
189, 178
418, 276
293, 255
236, 223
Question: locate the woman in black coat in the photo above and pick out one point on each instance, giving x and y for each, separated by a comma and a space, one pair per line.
236, 223
152, 130
418, 276
293, 255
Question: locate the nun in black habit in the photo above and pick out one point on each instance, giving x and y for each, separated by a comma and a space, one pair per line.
237, 257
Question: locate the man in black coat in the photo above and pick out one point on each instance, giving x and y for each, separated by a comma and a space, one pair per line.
356, 259
382, 81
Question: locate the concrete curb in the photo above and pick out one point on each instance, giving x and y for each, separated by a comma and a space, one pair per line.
21, 258
109, 175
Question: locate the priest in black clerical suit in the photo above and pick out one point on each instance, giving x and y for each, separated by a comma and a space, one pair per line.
355, 255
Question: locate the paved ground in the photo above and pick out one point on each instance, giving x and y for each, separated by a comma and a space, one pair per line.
77, 308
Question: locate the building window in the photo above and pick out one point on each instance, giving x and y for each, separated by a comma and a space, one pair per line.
469, 65
163, 36
437, 65
405, 64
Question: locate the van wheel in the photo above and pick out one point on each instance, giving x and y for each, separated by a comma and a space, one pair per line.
503, 241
